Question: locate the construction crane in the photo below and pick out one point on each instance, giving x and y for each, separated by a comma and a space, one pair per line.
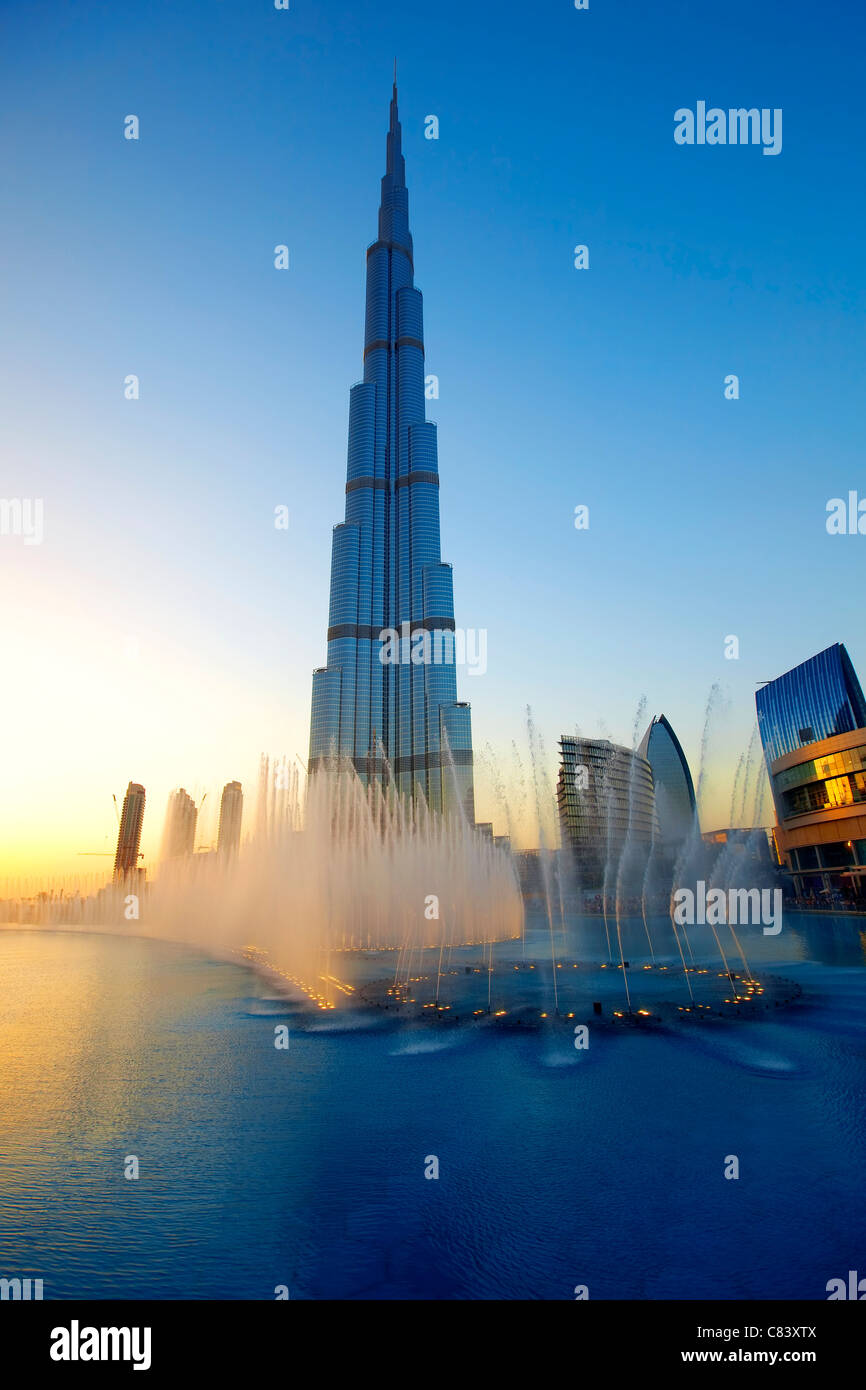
95, 853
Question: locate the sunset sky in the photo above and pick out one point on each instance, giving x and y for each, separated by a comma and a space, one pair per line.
164, 631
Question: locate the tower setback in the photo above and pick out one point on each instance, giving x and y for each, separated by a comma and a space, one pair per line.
387, 698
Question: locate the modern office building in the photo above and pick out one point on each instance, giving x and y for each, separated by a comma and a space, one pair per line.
387, 698
673, 789
749, 844
178, 839
812, 722
537, 871
606, 811
231, 815
129, 834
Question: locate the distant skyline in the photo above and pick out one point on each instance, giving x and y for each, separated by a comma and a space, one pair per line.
164, 630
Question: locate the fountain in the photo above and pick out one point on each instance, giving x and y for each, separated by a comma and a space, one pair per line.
354, 898
353, 869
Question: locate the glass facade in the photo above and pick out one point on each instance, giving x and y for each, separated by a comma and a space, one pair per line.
672, 781
822, 783
820, 797
814, 701
823, 796
383, 700
838, 854
850, 760
605, 800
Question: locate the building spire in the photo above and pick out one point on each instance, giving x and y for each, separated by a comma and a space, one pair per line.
395, 169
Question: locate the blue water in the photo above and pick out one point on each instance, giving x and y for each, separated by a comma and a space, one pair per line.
305, 1167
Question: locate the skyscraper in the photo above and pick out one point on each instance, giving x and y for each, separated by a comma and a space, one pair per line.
673, 789
231, 814
129, 834
606, 810
819, 699
812, 722
178, 839
379, 700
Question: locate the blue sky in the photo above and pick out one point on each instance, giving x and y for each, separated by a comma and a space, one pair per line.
165, 631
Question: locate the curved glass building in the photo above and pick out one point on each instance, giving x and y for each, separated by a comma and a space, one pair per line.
812, 722
672, 782
387, 698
